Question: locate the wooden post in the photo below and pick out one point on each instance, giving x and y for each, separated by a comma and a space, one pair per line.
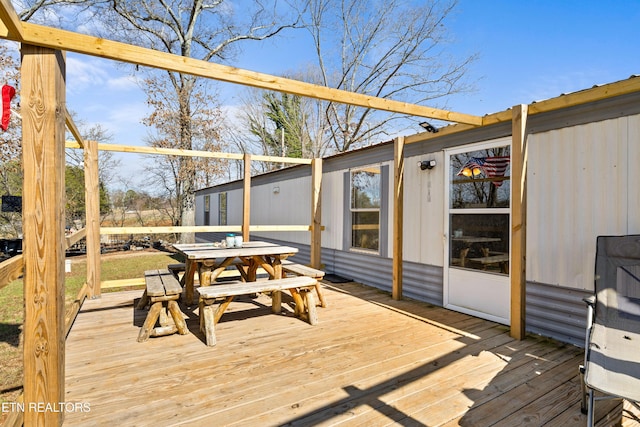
316, 213
398, 208
92, 201
518, 221
43, 131
246, 198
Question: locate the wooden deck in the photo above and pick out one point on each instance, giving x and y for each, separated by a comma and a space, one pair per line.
370, 361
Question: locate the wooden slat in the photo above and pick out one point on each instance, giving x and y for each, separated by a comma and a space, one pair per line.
11, 269
74, 308
316, 213
155, 287
245, 288
171, 284
79, 142
159, 151
74, 42
124, 283
10, 21
518, 221
441, 370
75, 237
92, 210
398, 216
170, 229
302, 270
246, 198
43, 129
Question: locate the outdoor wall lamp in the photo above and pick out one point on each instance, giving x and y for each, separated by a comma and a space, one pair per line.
427, 164
429, 127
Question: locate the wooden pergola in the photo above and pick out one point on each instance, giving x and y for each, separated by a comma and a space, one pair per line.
44, 120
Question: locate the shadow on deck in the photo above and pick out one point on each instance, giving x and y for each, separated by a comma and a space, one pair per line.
370, 361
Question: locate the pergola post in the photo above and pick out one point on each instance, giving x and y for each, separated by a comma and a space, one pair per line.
316, 212
518, 221
246, 198
43, 131
92, 202
398, 209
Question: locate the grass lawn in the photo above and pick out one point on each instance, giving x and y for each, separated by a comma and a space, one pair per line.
114, 266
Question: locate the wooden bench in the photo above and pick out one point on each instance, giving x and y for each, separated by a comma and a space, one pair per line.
300, 288
162, 292
177, 268
501, 259
303, 270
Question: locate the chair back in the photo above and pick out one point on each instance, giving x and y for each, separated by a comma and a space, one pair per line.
617, 282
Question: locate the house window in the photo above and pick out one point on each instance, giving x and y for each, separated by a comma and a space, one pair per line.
365, 208
222, 208
479, 199
207, 207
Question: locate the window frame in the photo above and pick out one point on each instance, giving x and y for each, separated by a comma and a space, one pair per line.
223, 199
382, 210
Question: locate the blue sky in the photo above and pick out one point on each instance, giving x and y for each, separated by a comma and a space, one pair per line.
528, 51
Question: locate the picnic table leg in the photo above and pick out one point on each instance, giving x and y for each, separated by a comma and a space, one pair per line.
312, 312
297, 299
320, 296
209, 325
221, 309
276, 302
150, 321
163, 318
176, 314
187, 281
144, 300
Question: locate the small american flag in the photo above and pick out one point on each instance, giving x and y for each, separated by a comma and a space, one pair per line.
490, 166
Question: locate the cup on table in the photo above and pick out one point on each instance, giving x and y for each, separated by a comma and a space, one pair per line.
237, 241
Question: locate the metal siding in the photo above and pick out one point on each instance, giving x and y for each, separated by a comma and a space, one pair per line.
290, 206
552, 311
332, 209
577, 190
423, 231
579, 170
557, 313
633, 193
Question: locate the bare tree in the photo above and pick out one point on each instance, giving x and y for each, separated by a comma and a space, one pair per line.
283, 124
389, 49
197, 29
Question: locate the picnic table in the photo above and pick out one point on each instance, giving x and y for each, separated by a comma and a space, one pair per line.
211, 259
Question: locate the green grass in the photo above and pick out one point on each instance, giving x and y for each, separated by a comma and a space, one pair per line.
116, 266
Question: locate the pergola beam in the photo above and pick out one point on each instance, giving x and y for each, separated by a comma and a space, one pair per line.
12, 26
54, 38
189, 153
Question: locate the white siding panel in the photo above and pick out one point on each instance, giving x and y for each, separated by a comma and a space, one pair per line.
199, 210
234, 207
423, 211
283, 203
633, 166
577, 190
332, 209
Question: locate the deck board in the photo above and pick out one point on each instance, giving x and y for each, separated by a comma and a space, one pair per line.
370, 361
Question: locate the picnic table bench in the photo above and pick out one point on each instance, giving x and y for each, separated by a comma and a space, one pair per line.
298, 286
303, 270
501, 259
162, 292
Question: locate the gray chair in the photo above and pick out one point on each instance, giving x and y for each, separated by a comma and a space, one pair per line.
612, 345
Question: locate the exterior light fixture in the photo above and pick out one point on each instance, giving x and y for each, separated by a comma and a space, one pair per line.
429, 127
427, 164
